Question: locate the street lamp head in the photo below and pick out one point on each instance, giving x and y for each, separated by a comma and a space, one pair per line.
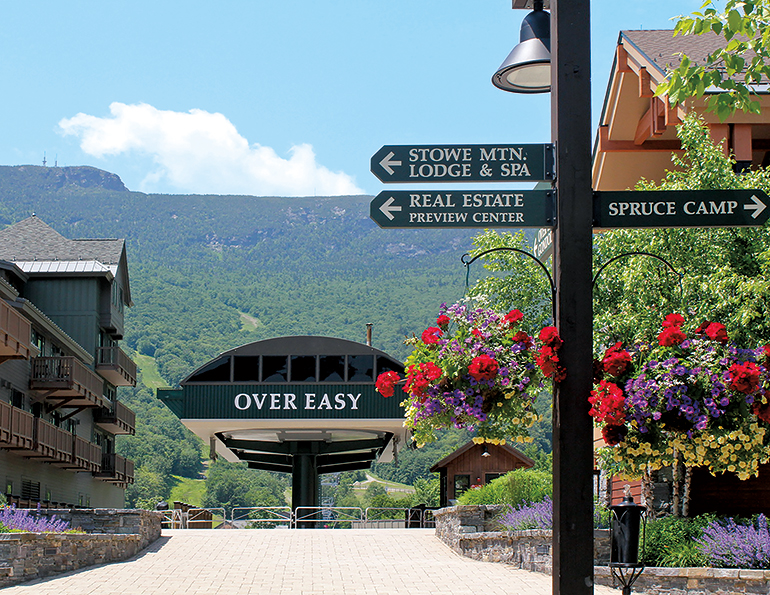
527, 69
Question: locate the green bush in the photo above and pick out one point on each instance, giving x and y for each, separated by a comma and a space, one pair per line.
513, 488
670, 541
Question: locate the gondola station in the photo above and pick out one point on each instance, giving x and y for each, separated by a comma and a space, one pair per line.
300, 405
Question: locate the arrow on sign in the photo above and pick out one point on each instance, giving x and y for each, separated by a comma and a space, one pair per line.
757, 207
388, 209
388, 162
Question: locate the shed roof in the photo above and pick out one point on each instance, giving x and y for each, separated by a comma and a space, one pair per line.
444, 463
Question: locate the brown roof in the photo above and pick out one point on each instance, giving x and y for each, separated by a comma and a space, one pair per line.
466, 447
664, 50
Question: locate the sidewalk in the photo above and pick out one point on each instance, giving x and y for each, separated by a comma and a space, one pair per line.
304, 562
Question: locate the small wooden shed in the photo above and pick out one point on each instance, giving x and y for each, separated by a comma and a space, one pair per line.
476, 464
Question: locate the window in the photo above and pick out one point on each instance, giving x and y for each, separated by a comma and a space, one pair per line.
490, 476
30, 490
385, 364
17, 398
360, 368
216, 371
303, 368
38, 341
246, 368
462, 483
8, 486
332, 368
275, 368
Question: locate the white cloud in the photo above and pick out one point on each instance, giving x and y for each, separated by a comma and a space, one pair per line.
203, 153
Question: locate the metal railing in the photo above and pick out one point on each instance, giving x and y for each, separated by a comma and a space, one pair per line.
261, 517
318, 517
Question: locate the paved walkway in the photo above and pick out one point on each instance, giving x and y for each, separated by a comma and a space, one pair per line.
304, 562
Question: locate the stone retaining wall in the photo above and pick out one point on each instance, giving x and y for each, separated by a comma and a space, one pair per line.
113, 535
473, 532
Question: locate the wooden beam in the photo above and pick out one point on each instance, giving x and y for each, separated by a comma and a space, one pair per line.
741, 142
659, 116
720, 133
644, 128
621, 58
645, 86
606, 145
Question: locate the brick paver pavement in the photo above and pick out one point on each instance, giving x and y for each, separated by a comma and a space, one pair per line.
303, 562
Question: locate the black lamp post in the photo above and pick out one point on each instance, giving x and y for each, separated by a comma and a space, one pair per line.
573, 565
627, 532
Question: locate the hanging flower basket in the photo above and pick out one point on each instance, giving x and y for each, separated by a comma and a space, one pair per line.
691, 395
476, 370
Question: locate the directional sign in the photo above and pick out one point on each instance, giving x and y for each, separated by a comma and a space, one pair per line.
681, 208
463, 163
467, 208
542, 246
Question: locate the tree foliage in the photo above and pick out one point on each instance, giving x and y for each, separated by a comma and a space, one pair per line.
735, 68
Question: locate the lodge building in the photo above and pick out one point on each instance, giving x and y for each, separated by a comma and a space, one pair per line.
62, 307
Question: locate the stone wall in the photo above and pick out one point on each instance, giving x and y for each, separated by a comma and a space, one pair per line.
472, 531
112, 535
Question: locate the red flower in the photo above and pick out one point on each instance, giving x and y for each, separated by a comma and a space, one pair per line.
608, 404
550, 336
420, 376
702, 328
430, 336
442, 321
673, 320
549, 364
717, 332
672, 335
483, 367
513, 317
386, 383
616, 360
522, 337
762, 411
614, 434
744, 377
766, 350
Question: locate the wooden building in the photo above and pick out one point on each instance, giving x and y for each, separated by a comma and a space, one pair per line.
61, 318
476, 464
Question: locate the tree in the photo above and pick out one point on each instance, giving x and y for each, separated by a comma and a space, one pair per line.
744, 60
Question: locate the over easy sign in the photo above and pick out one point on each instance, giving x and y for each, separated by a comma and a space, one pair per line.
293, 402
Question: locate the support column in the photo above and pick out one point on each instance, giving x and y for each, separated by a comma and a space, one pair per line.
304, 481
572, 427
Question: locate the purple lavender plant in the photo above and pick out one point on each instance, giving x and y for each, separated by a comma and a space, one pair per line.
529, 515
21, 519
729, 545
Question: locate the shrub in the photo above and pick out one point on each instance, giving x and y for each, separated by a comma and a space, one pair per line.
514, 488
728, 544
21, 519
669, 541
539, 515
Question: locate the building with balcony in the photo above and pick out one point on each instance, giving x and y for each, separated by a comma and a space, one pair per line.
62, 306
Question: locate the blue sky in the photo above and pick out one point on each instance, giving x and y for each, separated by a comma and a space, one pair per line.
287, 98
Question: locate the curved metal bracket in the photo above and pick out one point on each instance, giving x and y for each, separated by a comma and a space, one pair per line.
679, 275
468, 264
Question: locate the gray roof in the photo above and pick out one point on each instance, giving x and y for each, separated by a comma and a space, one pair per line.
33, 240
664, 49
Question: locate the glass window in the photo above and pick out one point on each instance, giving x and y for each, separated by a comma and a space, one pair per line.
274, 368
332, 368
303, 368
360, 368
490, 476
385, 364
462, 483
246, 368
216, 371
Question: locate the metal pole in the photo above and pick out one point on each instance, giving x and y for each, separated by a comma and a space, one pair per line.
572, 428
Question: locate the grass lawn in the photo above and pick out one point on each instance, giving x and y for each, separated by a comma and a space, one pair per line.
189, 491
148, 371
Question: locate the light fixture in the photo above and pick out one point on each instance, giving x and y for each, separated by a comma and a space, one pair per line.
485, 452
527, 69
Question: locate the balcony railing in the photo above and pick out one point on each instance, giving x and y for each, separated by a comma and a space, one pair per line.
116, 469
17, 428
15, 334
67, 380
117, 419
86, 456
51, 443
117, 368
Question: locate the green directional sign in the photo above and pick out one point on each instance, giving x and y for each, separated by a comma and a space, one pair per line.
466, 208
463, 163
681, 208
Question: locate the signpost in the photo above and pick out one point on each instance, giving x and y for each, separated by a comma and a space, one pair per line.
681, 208
466, 208
542, 246
463, 163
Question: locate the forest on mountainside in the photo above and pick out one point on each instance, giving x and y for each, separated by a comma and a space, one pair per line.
211, 273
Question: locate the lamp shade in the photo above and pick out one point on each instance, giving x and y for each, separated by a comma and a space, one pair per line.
527, 69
